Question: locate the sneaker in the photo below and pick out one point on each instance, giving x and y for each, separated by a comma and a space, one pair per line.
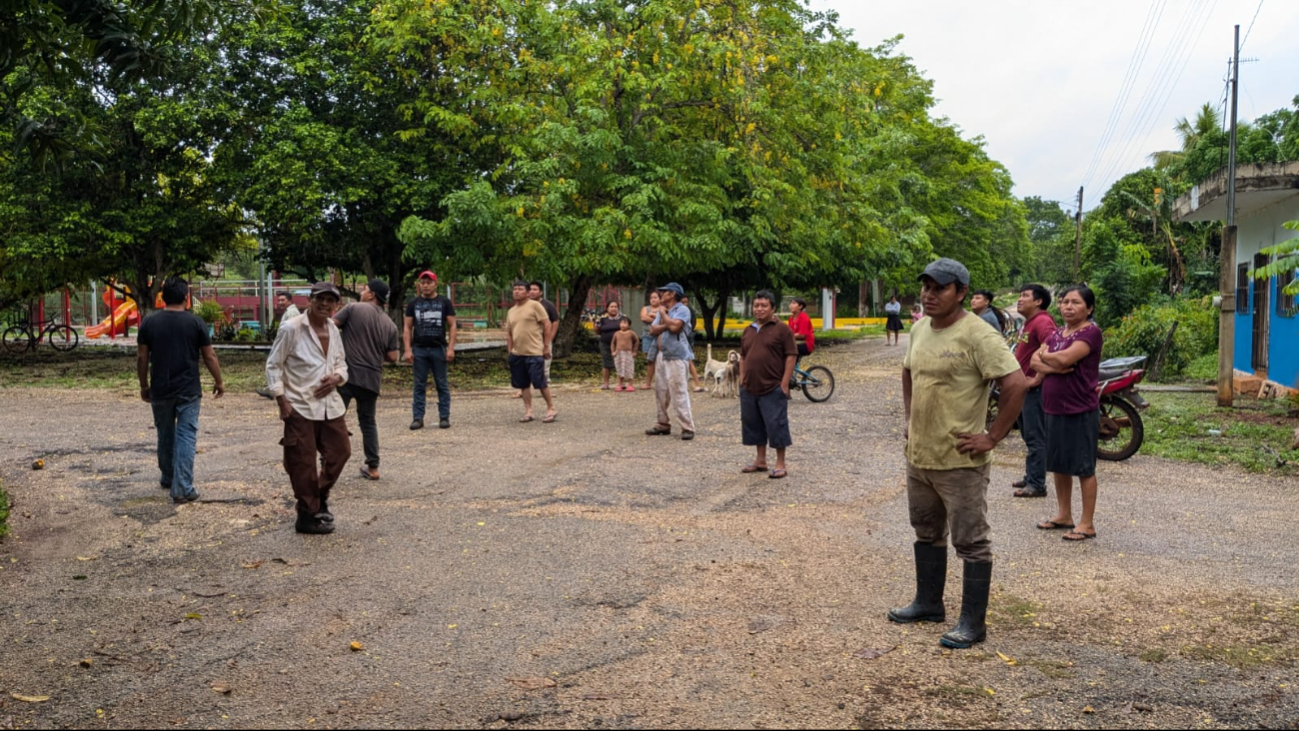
417, 424
444, 424
313, 526
687, 436
187, 499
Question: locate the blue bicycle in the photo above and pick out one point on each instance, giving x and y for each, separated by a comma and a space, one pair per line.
817, 382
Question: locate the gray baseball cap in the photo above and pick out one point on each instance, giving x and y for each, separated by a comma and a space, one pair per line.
945, 271
325, 288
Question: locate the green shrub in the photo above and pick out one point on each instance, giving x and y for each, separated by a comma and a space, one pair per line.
209, 311
1204, 368
4, 513
1143, 332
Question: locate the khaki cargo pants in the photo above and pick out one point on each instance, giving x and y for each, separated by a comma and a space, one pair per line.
955, 500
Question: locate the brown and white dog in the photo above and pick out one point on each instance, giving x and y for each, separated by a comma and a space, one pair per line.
732, 382
714, 372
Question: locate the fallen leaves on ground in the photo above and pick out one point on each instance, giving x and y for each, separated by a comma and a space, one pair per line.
356, 646
870, 653
222, 688
1007, 660
537, 683
29, 698
252, 565
194, 615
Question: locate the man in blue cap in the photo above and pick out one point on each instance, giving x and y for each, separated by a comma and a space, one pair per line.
672, 327
950, 361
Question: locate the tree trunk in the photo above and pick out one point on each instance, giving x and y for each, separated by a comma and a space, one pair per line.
708, 312
571, 323
723, 306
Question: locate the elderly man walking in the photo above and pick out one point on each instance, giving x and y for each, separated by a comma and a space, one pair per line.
672, 369
527, 339
951, 360
304, 370
369, 340
171, 341
767, 355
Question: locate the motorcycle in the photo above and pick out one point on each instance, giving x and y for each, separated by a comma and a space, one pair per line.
1121, 428
1121, 405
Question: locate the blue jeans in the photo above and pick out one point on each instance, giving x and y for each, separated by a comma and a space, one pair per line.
435, 359
177, 423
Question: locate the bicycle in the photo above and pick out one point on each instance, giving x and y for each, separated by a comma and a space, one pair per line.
20, 338
817, 382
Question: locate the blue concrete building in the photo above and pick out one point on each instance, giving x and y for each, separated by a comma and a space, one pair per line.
1267, 323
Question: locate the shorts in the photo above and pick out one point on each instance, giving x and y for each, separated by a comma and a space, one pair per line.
802, 350
765, 419
527, 370
1071, 443
625, 361
649, 345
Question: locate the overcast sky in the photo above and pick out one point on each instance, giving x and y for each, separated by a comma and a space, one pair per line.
1039, 79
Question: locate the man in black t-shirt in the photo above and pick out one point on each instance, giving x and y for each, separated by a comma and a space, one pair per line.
170, 343
535, 290
430, 339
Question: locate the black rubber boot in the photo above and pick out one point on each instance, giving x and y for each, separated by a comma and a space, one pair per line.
974, 608
931, 575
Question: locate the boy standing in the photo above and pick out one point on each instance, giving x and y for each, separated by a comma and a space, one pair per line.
624, 355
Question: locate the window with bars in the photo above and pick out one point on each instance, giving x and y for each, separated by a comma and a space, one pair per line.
1285, 303
1242, 289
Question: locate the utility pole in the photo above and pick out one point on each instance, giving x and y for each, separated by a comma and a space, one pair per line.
1077, 238
1227, 256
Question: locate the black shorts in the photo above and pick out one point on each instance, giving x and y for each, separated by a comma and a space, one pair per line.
765, 419
802, 349
527, 370
1071, 443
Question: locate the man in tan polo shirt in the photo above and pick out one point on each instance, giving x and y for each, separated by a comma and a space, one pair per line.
527, 338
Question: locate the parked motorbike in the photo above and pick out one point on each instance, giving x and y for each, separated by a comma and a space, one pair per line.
1121, 405
1121, 429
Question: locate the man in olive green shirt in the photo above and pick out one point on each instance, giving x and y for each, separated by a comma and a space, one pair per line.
951, 361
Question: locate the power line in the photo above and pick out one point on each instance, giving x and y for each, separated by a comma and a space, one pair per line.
1153, 90
1161, 88
1251, 24
1139, 51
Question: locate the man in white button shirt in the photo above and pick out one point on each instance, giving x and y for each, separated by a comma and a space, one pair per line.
304, 371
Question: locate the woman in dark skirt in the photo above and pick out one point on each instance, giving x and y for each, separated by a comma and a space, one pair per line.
606, 328
894, 326
1071, 359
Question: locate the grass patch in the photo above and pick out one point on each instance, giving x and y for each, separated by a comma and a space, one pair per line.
4, 513
1054, 669
1255, 435
1241, 657
1012, 611
1203, 369
1153, 655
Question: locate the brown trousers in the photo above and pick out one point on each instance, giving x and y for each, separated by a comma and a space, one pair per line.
303, 439
955, 499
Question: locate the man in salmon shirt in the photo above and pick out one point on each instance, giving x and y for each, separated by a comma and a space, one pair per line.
1034, 299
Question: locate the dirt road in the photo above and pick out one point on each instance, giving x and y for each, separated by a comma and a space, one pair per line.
581, 574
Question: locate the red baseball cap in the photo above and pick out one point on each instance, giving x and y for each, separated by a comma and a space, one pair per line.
426, 274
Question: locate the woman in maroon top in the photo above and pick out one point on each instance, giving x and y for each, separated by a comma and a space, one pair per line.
1070, 360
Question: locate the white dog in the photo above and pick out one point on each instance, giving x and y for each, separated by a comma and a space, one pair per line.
714, 371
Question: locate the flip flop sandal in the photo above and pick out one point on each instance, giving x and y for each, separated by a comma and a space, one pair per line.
754, 468
778, 474
1029, 493
549, 419
1019, 483
366, 474
1080, 536
1052, 525
526, 419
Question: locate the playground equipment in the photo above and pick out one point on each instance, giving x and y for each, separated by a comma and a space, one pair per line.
125, 314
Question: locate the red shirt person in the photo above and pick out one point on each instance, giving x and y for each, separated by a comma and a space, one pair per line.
801, 324
1038, 326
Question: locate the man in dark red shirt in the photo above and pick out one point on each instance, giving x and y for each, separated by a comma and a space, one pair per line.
767, 355
1038, 326
801, 324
